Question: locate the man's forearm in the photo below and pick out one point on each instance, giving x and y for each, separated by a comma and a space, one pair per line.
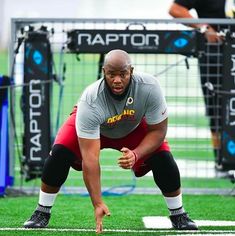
91, 176
90, 149
149, 144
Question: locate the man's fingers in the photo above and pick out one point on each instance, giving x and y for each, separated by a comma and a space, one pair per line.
107, 212
100, 212
124, 160
124, 149
99, 227
126, 164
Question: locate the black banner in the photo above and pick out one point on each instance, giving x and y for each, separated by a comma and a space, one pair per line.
133, 41
228, 106
36, 102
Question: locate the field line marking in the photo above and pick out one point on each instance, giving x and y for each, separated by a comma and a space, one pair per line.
160, 222
118, 230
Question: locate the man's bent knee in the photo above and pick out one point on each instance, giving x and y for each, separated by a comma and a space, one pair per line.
56, 166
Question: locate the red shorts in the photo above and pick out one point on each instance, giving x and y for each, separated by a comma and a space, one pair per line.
67, 137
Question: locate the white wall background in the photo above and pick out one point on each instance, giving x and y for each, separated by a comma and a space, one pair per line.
148, 9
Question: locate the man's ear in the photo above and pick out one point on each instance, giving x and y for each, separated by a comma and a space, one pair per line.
132, 69
103, 70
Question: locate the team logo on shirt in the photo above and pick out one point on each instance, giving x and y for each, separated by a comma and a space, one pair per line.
127, 114
129, 101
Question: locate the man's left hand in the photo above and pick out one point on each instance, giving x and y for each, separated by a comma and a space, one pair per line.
128, 158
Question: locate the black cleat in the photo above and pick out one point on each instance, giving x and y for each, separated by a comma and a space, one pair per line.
39, 219
183, 222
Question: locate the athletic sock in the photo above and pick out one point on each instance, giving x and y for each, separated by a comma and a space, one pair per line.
45, 209
46, 201
175, 205
177, 211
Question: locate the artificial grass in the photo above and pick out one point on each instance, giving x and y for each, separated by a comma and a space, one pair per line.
126, 212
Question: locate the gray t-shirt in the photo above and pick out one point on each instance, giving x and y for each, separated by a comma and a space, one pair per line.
99, 113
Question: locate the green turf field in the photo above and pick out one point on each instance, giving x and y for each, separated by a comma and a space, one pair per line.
76, 212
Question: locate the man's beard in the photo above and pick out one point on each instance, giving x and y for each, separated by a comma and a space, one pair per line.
118, 97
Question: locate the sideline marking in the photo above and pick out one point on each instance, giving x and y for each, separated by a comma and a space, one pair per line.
120, 230
160, 222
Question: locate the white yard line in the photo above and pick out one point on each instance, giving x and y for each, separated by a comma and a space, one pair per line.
160, 222
121, 230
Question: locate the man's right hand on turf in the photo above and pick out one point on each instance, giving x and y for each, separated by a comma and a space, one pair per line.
100, 211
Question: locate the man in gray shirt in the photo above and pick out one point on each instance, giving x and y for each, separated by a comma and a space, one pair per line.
124, 111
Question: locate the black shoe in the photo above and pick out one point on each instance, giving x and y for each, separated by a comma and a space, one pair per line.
183, 222
39, 219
